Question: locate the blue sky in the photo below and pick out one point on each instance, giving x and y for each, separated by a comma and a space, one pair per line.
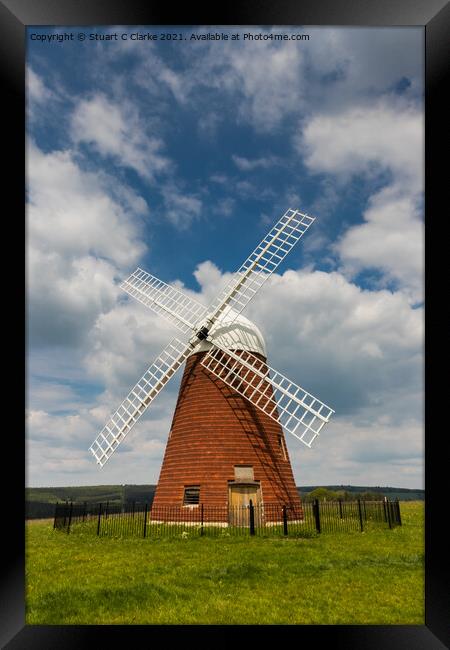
178, 157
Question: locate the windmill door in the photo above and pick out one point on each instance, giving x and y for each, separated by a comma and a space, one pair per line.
240, 496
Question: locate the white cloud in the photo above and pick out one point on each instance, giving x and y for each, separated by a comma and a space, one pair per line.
224, 207
220, 179
266, 82
391, 239
52, 395
118, 131
70, 211
245, 164
123, 344
42, 99
37, 91
366, 140
180, 208
376, 454
264, 77
374, 141
78, 240
350, 66
211, 280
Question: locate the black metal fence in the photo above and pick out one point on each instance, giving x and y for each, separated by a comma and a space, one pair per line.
142, 520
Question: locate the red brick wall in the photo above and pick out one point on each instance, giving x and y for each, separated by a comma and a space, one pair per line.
214, 429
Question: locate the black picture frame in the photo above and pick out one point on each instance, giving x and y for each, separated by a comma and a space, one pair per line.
434, 17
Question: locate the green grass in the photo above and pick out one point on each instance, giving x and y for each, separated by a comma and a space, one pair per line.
343, 578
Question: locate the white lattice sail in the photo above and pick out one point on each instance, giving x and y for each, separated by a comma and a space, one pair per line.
296, 410
173, 304
139, 399
262, 262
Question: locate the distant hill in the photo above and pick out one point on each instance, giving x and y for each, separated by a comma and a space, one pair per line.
40, 502
402, 494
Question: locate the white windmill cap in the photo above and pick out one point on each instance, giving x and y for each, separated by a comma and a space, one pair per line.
234, 332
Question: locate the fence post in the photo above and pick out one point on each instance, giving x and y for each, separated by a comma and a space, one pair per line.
65, 514
340, 509
398, 513
106, 510
360, 515
252, 518
145, 519
84, 510
56, 511
385, 508
201, 515
99, 516
285, 524
317, 515
388, 505
70, 517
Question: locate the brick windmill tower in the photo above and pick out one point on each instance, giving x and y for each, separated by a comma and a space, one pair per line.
226, 444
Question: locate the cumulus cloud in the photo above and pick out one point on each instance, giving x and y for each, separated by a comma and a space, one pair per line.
180, 208
70, 211
48, 395
118, 131
71, 262
372, 141
268, 82
349, 454
343, 70
391, 239
263, 79
123, 343
37, 91
366, 140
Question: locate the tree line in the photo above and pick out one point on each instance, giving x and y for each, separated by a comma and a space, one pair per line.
325, 494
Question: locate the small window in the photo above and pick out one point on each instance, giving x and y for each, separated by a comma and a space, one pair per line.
191, 495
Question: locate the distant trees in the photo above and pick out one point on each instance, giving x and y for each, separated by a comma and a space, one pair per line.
370, 496
325, 494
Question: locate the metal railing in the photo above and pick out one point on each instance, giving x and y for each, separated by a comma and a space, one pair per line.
143, 520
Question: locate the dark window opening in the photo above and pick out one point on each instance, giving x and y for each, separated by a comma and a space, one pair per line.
191, 495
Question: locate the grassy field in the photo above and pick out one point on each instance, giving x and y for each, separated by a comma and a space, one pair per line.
343, 578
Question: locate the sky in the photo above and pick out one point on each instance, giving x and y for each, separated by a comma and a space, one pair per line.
178, 155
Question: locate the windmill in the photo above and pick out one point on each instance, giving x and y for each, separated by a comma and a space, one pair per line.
226, 444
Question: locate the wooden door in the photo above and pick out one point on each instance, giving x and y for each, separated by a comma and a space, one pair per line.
240, 496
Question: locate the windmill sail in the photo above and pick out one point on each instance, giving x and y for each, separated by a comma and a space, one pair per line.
294, 408
173, 304
139, 399
261, 263
299, 412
